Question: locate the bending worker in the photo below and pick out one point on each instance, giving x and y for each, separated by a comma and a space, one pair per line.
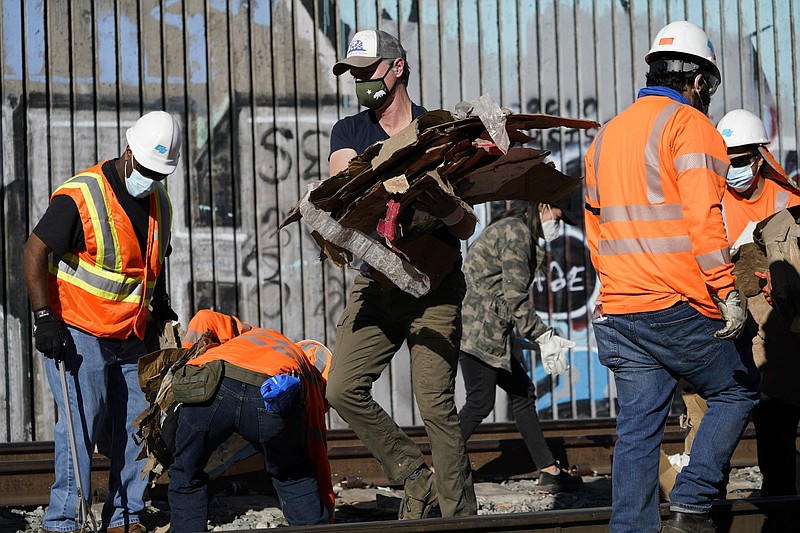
379, 316
500, 267
655, 177
93, 267
751, 197
256, 383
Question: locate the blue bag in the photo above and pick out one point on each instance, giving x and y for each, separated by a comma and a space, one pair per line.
279, 392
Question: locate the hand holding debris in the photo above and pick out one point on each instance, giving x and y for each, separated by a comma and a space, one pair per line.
437, 203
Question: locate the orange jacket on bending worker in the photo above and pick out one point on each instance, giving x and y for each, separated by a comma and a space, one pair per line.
268, 352
660, 219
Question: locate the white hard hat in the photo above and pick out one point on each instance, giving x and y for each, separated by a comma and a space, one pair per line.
318, 354
684, 38
740, 128
155, 141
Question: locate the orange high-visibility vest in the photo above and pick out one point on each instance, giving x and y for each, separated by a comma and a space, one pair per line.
655, 176
224, 327
268, 352
738, 212
106, 289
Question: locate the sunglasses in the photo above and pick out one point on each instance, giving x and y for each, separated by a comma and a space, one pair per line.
743, 160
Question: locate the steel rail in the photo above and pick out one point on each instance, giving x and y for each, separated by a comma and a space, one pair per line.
496, 450
730, 516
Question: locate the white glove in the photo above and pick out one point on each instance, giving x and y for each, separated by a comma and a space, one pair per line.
552, 348
732, 314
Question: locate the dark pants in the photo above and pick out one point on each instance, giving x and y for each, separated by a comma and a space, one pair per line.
480, 381
373, 326
239, 408
776, 434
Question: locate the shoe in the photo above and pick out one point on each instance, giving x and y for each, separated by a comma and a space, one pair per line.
688, 523
419, 496
136, 527
561, 482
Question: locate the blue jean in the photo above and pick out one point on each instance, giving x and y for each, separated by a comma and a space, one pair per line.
239, 407
103, 389
648, 353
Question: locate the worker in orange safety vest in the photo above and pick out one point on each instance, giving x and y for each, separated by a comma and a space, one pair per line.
667, 309
94, 272
271, 391
758, 187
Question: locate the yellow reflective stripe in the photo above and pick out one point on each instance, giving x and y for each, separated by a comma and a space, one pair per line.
109, 254
642, 245
134, 297
714, 259
102, 283
627, 213
652, 159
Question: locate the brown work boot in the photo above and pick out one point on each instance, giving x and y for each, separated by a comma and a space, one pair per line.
136, 527
419, 496
688, 523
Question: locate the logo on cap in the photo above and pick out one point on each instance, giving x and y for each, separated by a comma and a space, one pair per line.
161, 149
727, 132
357, 45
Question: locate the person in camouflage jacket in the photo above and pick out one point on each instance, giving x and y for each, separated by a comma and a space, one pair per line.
499, 269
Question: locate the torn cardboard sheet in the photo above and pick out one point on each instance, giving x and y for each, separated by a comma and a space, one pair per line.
468, 159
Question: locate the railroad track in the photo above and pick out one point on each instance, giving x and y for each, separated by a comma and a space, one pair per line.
730, 516
496, 451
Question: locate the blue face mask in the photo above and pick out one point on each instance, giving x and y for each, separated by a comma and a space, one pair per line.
138, 186
740, 179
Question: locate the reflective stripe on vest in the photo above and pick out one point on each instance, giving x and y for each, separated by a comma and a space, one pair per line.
261, 337
652, 159
591, 191
101, 283
656, 210
104, 278
102, 221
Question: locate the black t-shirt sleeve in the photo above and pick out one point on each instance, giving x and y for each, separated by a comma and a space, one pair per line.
60, 227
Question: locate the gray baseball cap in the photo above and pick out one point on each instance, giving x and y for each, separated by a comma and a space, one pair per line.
367, 48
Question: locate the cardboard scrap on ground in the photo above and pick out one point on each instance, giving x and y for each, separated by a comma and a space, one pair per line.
458, 156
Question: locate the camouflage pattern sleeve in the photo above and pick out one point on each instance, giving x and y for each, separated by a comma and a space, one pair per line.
498, 269
518, 261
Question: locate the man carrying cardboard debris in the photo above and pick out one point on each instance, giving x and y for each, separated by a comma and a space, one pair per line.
379, 316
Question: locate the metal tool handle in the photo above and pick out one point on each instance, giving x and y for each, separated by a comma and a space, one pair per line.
84, 507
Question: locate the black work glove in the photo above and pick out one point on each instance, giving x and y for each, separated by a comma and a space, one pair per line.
50, 334
161, 311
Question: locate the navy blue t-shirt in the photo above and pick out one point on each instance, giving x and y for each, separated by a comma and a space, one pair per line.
361, 130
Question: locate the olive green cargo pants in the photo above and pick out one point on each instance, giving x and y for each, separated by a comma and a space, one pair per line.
372, 328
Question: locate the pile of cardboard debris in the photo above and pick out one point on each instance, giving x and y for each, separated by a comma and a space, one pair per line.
468, 158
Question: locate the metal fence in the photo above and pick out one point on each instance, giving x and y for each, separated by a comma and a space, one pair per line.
252, 85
